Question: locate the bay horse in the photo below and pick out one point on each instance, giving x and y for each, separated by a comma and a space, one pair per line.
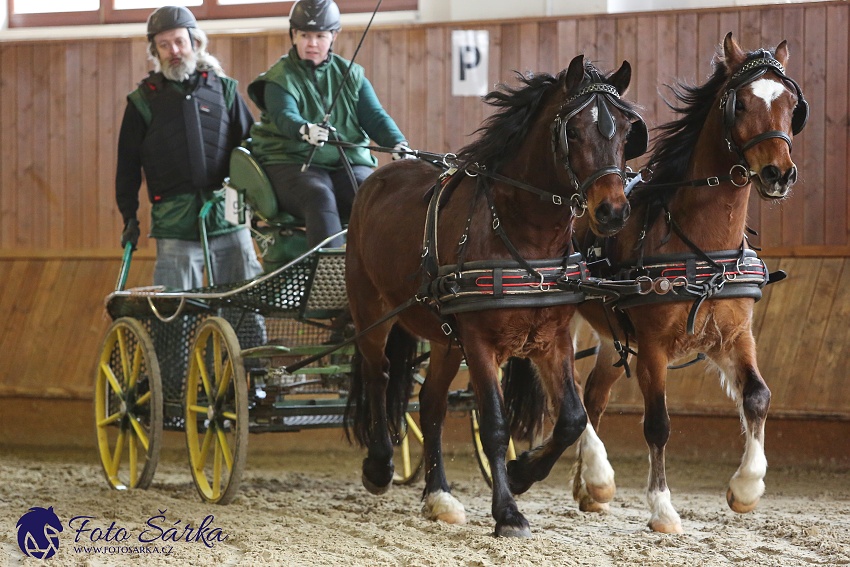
568, 134
686, 239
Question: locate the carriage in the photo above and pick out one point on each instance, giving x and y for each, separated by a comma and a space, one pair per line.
213, 362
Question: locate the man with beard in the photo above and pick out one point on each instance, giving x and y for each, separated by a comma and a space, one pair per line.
179, 127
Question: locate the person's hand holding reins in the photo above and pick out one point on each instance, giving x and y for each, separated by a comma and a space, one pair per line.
315, 134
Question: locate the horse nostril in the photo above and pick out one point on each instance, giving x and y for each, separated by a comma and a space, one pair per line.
770, 174
790, 177
604, 213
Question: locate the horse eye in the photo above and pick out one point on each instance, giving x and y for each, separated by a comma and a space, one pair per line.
739, 106
572, 133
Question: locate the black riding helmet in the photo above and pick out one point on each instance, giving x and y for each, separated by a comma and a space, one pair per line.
314, 16
169, 18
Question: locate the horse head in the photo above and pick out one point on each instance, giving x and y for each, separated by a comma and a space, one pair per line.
594, 133
762, 109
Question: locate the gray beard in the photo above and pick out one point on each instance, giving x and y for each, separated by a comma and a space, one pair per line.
180, 72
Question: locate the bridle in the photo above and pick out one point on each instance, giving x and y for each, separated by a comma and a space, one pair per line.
601, 94
752, 69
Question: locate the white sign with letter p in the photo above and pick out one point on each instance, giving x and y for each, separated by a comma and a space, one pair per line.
470, 51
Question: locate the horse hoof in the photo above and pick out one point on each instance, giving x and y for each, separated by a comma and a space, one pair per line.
666, 527
738, 506
375, 488
590, 505
444, 507
377, 478
512, 531
602, 494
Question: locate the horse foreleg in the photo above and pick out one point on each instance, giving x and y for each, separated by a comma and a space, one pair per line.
652, 376
438, 502
494, 441
559, 381
593, 478
752, 395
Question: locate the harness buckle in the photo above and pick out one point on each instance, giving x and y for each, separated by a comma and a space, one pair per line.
447, 329
713, 181
557, 200
496, 223
644, 285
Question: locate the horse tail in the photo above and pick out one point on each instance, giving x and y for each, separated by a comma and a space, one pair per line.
525, 400
401, 352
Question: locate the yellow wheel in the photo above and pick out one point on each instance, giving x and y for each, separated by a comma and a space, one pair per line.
409, 454
216, 409
483, 463
128, 406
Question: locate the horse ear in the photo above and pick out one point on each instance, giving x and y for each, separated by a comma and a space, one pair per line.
622, 77
732, 52
575, 74
781, 53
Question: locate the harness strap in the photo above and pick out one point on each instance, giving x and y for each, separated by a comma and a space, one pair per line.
497, 227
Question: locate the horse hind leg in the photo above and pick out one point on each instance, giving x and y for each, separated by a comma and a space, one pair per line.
752, 395
438, 503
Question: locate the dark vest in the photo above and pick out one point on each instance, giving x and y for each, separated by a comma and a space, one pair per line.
186, 148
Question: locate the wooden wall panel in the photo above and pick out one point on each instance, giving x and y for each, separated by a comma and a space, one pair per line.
61, 105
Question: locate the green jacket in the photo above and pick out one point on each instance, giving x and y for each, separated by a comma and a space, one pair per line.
177, 215
357, 117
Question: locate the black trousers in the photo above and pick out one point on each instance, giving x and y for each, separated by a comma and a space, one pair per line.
322, 198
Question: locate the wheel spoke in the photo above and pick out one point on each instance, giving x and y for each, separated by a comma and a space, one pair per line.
140, 432
405, 455
226, 377
202, 370
138, 356
113, 381
134, 461
197, 409
109, 419
205, 449
143, 399
225, 448
229, 415
216, 488
116, 455
122, 348
413, 428
217, 356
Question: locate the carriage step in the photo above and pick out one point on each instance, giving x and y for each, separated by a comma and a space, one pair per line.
312, 420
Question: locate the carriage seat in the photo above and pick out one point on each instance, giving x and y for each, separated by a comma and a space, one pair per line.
248, 176
281, 237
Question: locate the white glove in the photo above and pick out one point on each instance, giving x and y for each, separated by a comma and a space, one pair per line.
402, 151
314, 134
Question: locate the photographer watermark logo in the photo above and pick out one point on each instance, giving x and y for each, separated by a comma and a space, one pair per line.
38, 533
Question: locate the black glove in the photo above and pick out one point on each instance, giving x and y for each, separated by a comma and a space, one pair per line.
130, 234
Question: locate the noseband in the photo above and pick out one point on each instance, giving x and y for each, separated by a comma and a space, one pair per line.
749, 72
601, 94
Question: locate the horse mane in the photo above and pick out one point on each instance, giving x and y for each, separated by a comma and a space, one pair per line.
675, 145
502, 134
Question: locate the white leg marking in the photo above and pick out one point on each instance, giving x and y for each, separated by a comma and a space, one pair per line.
596, 472
444, 507
747, 484
664, 517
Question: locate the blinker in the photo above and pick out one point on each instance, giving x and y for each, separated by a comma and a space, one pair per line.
604, 119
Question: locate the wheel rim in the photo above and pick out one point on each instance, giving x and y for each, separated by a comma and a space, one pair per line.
128, 406
410, 453
216, 411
